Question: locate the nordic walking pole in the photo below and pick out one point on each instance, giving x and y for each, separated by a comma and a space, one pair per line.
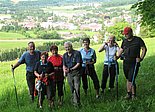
134, 73
116, 79
64, 86
108, 62
88, 73
15, 86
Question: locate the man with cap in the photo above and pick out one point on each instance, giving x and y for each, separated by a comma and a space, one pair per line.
134, 51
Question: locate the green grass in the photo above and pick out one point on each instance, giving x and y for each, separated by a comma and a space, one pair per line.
64, 9
90, 33
21, 43
10, 36
107, 103
121, 7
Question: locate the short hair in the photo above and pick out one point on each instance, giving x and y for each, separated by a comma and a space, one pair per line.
53, 47
114, 38
86, 39
31, 42
44, 53
68, 43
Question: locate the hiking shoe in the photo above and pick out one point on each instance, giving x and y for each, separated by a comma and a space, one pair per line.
51, 105
40, 107
59, 103
133, 97
97, 96
32, 98
110, 89
127, 97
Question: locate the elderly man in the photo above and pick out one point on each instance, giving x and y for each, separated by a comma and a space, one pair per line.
30, 58
71, 66
134, 51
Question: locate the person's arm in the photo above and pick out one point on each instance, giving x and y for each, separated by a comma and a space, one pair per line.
36, 71
93, 59
144, 50
102, 47
76, 66
120, 51
143, 53
20, 61
15, 65
65, 69
36, 74
51, 70
78, 61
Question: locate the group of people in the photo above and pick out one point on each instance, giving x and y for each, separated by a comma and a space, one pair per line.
51, 71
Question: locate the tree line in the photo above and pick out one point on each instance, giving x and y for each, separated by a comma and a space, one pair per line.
12, 54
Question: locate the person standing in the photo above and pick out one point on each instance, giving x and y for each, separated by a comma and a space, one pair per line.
88, 69
58, 77
30, 58
43, 71
109, 69
71, 65
134, 51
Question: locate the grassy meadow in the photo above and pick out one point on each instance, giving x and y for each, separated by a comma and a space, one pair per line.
10, 44
11, 36
106, 103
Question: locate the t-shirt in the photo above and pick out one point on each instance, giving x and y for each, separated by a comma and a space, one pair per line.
110, 53
132, 48
30, 60
57, 62
87, 56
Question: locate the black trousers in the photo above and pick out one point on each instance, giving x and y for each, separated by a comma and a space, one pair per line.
30, 77
57, 85
90, 71
108, 72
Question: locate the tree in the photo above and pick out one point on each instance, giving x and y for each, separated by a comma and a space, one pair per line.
146, 10
117, 29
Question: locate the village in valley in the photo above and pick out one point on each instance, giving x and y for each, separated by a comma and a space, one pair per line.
69, 21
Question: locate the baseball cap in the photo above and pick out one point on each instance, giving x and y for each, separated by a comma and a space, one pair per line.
127, 30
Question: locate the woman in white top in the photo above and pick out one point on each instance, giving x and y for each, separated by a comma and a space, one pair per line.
111, 48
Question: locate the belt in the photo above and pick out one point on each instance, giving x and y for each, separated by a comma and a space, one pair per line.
58, 68
109, 63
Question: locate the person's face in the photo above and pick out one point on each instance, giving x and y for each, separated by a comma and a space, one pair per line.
43, 58
54, 52
111, 40
129, 35
86, 44
68, 48
31, 47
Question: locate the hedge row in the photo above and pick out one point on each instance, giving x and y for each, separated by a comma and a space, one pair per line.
12, 54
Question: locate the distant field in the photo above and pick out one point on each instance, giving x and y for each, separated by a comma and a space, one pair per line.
20, 43
121, 7
64, 9
10, 36
90, 33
